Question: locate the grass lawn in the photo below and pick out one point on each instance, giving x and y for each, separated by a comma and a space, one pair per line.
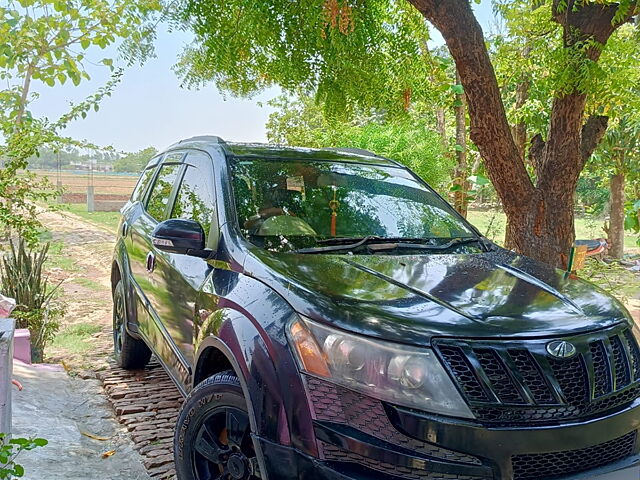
493, 223
108, 220
76, 338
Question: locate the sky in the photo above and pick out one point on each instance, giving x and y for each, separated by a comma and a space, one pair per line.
150, 108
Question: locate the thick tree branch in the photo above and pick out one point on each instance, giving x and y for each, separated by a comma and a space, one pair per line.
592, 132
536, 151
490, 129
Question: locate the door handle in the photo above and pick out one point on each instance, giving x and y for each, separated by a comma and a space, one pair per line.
125, 229
151, 262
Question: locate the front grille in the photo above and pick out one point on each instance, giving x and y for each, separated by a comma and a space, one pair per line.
558, 464
509, 383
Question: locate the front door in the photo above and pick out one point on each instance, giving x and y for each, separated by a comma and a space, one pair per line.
180, 276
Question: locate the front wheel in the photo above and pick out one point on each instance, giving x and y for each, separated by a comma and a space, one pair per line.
130, 353
213, 434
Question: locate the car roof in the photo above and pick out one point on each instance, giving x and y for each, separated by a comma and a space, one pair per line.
284, 153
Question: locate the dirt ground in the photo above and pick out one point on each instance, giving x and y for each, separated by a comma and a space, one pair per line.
82, 262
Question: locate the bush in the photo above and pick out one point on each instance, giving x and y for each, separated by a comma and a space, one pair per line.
23, 279
10, 449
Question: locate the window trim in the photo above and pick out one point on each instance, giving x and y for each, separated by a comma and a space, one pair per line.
213, 235
172, 158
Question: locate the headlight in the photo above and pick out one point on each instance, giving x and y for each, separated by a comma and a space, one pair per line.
398, 374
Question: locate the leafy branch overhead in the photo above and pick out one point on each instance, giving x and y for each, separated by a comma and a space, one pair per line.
357, 56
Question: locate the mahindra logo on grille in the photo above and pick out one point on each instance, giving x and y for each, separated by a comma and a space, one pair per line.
561, 349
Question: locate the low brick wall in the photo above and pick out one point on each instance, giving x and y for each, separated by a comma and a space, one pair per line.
102, 202
147, 403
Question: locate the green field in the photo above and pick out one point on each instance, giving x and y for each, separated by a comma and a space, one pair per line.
493, 223
108, 220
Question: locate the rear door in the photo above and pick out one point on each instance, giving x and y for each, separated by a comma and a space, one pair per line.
143, 259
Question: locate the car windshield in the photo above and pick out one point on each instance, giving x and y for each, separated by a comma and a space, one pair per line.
289, 205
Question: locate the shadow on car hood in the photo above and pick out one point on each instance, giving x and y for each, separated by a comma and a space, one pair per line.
412, 298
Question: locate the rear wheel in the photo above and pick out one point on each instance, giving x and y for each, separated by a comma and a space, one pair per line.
130, 353
213, 434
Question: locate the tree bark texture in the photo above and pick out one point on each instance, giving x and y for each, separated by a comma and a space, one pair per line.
522, 95
616, 216
540, 219
461, 199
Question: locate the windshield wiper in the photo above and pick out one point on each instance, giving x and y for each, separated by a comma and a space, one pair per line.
392, 244
343, 240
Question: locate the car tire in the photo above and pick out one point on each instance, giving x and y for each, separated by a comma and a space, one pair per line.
213, 432
130, 353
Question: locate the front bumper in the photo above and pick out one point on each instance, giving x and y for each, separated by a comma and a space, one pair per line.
362, 438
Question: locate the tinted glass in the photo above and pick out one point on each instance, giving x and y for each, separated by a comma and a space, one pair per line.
304, 201
195, 200
159, 197
143, 183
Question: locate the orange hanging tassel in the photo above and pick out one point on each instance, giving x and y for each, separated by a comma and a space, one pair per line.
333, 205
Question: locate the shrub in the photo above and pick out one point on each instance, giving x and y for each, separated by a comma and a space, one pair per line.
22, 278
10, 449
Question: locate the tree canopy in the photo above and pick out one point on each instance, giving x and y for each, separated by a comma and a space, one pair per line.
373, 54
351, 56
409, 141
134, 162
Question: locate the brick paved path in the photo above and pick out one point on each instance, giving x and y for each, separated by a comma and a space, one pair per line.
147, 403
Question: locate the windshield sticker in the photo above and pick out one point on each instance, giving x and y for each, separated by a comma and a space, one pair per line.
295, 183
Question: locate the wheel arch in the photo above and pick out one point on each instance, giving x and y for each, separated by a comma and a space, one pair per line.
214, 348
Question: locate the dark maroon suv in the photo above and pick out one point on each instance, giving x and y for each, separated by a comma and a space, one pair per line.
328, 316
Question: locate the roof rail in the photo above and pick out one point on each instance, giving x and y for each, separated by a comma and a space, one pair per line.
358, 151
199, 138
203, 138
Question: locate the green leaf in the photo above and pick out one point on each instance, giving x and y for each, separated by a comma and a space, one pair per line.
18, 470
455, 188
459, 148
457, 89
479, 180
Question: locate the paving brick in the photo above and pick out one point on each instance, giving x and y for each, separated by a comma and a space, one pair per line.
147, 403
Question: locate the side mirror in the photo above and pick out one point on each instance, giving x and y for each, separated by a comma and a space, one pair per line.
184, 237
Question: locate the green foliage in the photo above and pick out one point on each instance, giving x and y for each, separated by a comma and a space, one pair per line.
632, 218
537, 51
50, 41
353, 55
10, 449
49, 158
22, 278
134, 162
408, 141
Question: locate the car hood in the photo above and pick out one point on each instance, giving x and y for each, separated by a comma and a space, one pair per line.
412, 298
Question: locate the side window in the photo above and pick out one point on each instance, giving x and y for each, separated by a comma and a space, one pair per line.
195, 200
143, 184
159, 197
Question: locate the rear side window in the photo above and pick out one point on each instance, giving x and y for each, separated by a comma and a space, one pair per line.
143, 184
159, 198
195, 200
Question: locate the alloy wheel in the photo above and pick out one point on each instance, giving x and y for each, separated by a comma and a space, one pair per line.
223, 449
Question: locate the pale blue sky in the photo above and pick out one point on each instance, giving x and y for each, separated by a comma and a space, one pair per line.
150, 108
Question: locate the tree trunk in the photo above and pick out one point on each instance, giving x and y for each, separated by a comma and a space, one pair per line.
441, 125
522, 95
540, 217
461, 198
616, 217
